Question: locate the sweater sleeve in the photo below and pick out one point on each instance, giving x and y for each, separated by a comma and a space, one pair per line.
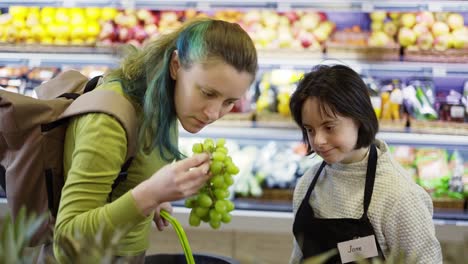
97, 144
410, 230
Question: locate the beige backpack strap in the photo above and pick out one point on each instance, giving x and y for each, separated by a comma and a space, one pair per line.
70, 81
111, 103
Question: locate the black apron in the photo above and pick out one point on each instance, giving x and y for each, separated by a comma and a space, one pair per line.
318, 235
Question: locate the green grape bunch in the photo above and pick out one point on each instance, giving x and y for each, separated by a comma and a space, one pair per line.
211, 204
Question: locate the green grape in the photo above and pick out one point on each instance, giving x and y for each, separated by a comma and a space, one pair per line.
201, 211
226, 218
215, 224
190, 202
216, 167
208, 145
220, 206
204, 200
220, 194
229, 206
232, 169
205, 218
197, 148
220, 142
219, 156
212, 205
222, 150
218, 181
228, 179
214, 215
194, 220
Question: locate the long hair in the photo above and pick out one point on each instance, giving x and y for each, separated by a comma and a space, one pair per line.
145, 76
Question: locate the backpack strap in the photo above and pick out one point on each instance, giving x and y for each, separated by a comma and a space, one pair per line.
111, 103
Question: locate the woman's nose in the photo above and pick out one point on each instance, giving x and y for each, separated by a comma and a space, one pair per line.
212, 111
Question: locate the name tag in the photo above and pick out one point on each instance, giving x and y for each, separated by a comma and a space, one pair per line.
360, 248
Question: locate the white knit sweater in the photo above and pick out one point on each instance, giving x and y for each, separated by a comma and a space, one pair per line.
400, 211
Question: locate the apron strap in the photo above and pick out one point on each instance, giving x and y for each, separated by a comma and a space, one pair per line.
314, 181
370, 178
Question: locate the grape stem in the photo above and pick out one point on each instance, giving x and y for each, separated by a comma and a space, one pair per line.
181, 234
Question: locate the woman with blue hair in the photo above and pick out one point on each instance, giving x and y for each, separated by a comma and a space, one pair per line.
192, 76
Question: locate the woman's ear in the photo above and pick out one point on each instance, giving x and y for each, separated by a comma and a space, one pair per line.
174, 65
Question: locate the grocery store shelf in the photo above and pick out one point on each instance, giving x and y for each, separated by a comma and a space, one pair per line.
278, 134
280, 5
281, 222
305, 60
56, 59
33, 55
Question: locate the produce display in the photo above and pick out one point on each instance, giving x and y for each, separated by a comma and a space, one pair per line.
419, 104
211, 204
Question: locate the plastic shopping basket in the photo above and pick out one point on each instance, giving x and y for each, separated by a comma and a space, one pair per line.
187, 257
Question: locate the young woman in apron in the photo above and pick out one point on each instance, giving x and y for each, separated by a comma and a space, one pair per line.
359, 201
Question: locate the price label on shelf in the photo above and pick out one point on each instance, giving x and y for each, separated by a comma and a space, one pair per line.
128, 4
439, 72
435, 7
69, 3
34, 62
367, 7
203, 6
283, 7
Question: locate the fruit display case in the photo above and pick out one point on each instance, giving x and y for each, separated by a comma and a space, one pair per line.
252, 128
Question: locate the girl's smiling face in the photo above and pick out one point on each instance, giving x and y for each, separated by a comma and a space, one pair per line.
332, 136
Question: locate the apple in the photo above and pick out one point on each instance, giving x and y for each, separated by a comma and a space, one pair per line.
306, 38
441, 16
151, 29
190, 13
440, 28
292, 16
443, 42
379, 39
460, 38
420, 28
108, 31
251, 17
270, 18
395, 16
139, 33
143, 14
125, 34
408, 20
378, 16
321, 33
406, 37
390, 28
455, 21
425, 41
309, 21
426, 18
376, 26
285, 37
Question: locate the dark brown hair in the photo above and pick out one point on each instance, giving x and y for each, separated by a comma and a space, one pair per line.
340, 91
